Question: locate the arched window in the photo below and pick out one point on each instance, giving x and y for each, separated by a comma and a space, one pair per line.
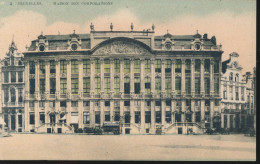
13, 96
231, 77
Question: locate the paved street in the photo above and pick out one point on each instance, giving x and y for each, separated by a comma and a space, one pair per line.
127, 147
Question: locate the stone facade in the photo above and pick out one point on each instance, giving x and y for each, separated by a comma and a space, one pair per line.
12, 89
143, 82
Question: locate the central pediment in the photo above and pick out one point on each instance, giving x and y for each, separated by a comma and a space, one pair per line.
121, 47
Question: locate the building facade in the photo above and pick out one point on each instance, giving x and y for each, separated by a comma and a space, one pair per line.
12, 89
237, 104
132, 78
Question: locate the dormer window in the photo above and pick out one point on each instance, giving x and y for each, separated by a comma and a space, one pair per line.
231, 77
6, 63
20, 62
74, 46
168, 45
41, 48
197, 46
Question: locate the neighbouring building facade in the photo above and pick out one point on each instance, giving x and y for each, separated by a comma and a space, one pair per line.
135, 79
237, 104
12, 90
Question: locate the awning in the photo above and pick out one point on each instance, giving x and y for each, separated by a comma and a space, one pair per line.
2, 121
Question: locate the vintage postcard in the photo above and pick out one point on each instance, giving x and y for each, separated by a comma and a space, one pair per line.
171, 80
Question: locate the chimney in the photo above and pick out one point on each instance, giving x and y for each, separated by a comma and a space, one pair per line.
205, 36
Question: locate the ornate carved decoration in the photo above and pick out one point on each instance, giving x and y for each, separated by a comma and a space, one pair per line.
121, 47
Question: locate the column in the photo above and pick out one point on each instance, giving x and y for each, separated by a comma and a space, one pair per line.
202, 113
80, 101
183, 77
202, 89
222, 120
111, 77
68, 112
183, 115
47, 79
121, 76
26, 116
37, 79
173, 109
152, 116
212, 103
211, 77
163, 113
26, 97
132, 87
132, 114
163, 76
193, 111
228, 121
142, 117
142, 78
36, 114
192, 77
9, 121
102, 76
102, 113
112, 106
91, 113
152, 77
57, 64
68, 78
122, 116
16, 121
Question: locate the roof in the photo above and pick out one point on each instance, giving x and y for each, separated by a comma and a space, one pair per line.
224, 65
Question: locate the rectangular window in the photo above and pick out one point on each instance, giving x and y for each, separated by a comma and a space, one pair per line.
168, 103
42, 117
116, 85
178, 85
147, 116
97, 103
187, 66
106, 66
158, 103
158, 118
231, 92
207, 86
197, 116
137, 66
216, 66
97, 85
63, 66
74, 67
127, 85
116, 116
32, 67
137, 85
107, 103
31, 104
63, 85
52, 104
168, 117
197, 86
52, 85
86, 119
147, 66
85, 103
32, 118
107, 116
74, 85
74, 104
225, 92
197, 65
188, 86
6, 77
117, 66
97, 66
207, 65
178, 66
158, 85
168, 66
126, 66
127, 117
126, 103
168, 85
52, 66
137, 117
86, 66
216, 85
32, 86
13, 76
147, 85
158, 65
242, 94
42, 86
97, 117
107, 85
63, 104
20, 94
137, 103
20, 76
86, 85
148, 103
42, 67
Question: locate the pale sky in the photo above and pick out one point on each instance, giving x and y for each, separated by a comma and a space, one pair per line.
233, 22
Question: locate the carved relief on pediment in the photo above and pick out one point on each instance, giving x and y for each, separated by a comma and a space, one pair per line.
121, 47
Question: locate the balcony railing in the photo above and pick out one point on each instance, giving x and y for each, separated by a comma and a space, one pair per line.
13, 104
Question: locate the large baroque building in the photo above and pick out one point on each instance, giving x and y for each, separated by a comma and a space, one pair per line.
136, 79
12, 90
237, 104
